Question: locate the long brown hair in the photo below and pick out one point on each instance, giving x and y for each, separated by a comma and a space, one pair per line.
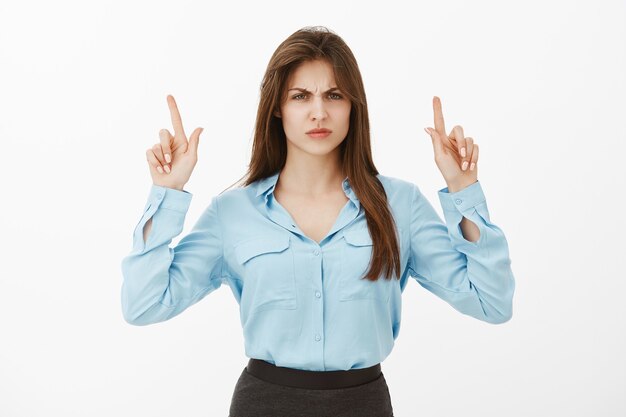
269, 148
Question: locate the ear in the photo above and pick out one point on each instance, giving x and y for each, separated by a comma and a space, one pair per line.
277, 114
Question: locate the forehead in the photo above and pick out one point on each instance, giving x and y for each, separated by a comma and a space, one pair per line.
312, 75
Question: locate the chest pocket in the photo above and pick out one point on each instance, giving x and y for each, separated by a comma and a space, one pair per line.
357, 251
268, 272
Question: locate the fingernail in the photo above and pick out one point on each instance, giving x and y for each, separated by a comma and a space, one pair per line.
464, 166
167, 169
427, 131
160, 170
472, 166
462, 152
168, 158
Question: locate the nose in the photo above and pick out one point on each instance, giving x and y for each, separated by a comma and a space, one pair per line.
318, 109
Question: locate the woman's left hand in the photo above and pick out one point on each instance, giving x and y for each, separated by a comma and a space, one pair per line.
456, 156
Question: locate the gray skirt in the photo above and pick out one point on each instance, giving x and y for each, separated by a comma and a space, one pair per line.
255, 397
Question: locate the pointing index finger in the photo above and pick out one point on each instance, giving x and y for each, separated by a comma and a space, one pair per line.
439, 124
176, 120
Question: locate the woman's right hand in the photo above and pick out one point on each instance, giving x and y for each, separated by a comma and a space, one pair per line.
173, 171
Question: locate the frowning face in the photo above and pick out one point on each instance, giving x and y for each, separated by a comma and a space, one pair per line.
313, 101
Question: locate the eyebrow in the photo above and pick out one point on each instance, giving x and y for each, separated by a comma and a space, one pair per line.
304, 90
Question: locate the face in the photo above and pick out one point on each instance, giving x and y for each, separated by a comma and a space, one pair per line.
313, 101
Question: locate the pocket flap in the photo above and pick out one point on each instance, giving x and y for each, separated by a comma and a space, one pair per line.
358, 237
255, 246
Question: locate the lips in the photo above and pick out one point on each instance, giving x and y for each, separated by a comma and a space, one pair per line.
322, 130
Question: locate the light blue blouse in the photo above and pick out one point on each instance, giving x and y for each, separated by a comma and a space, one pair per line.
302, 304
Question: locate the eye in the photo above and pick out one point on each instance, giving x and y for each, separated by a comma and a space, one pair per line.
337, 96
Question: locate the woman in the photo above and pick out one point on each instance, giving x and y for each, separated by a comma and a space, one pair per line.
317, 246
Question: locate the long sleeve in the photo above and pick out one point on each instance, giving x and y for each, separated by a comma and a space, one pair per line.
473, 277
160, 282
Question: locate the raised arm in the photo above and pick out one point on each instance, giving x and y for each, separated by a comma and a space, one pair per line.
160, 282
473, 277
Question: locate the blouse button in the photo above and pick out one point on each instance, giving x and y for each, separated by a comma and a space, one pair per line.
316, 252
458, 201
318, 294
317, 337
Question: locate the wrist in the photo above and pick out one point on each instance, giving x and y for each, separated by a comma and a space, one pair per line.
173, 187
458, 186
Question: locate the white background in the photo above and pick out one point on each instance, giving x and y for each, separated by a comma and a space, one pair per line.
540, 86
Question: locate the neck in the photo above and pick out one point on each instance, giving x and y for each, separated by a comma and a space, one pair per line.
311, 175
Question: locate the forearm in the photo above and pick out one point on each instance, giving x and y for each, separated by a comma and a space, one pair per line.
148, 226
469, 229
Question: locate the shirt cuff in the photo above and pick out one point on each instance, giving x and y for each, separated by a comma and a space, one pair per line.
170, 198
462, 200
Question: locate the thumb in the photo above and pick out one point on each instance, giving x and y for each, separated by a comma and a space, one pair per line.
194, 139
437, 144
